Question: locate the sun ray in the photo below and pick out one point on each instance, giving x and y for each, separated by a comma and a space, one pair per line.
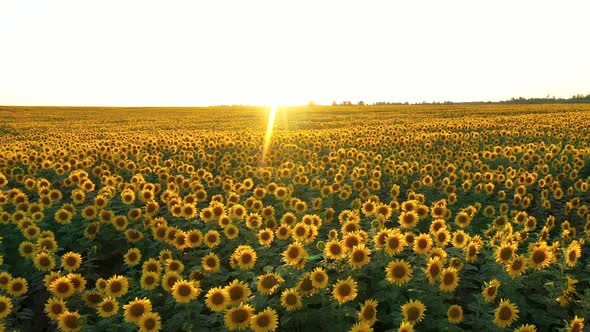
268, 135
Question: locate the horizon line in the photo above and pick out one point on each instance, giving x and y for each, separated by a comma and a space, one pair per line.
547, 99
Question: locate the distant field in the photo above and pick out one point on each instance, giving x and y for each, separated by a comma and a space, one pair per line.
384, 218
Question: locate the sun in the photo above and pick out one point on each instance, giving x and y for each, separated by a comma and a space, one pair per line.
268, 135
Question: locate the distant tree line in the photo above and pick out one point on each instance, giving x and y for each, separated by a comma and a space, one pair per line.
578, 98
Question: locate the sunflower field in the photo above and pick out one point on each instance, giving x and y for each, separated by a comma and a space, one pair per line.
372, 218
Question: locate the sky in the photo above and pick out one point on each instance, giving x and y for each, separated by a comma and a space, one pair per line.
198, 53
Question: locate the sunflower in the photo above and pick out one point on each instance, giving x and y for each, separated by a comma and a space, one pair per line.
78, 281
319, 278
211, 262
253, 221
305, 286
359, 256
30, 232
194, 238
47, 244
265, 237
63, 216
71, 261
151, 265
449, 280
17, 286
117, 286
566, 296
572, 253
433, 269
189, 211
212, 238
245, 257
295, 254
334, 249
91, 230
505, 252
269, 283
505, 314
78, 196
150, 322
408, 219
290, 299
231, 231
170, 234
491, 290
517, 266
44, 261
299, 232
92, 298
383, 212
107, 307
413, 311
169, 279
352, 240
460, 239
132, 257
394, 243
89, 212
455, 314
345, 290
174, 265
380, 237
217, 299
69, 321
456, 263
62, 287
239, 317
238, 292
100, 284
149, 280
185, 291
26, 249
398, 272
422, 243
127, 197
471, 252
540, 256
181, 240
5, 306
361, 327
406, 327
576, 325
283, 232
463, 219
55, 307
439, 210
526, 328
368, 312
442, 237
265, 321
369, 208
159, 232
136, 308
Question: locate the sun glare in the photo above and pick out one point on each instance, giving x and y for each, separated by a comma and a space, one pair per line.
268, 135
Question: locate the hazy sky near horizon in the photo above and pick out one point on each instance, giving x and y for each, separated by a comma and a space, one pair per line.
181, 53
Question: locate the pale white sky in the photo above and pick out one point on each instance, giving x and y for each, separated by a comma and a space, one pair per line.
145, 52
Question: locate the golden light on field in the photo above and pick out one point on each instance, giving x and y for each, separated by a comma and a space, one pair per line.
456, 212
268, 134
